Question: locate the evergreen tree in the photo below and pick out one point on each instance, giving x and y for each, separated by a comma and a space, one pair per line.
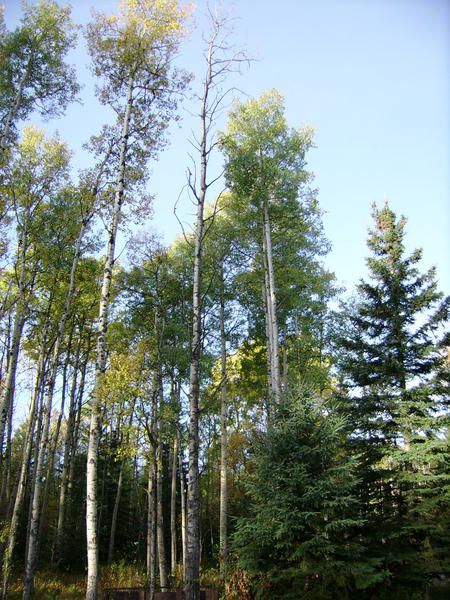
397, 382
299, 539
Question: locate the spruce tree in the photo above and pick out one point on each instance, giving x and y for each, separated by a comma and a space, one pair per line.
396, 377
300, 538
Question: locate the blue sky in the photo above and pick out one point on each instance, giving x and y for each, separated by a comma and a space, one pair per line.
372, 77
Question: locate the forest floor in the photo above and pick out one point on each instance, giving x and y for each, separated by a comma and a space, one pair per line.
72, 586
51, 586
57, 585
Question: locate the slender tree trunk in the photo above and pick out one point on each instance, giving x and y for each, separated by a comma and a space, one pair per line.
173, 504
10, 379
223, 445
6, 473
15, 104
112, 535
66, 457
183, 506
269, 331
37, 513
100, 366
74, 438
33, 536
272, 303
269, 354
23, 473
151, 522
55, 439
285, 360
163, 579
192, 583
7, 393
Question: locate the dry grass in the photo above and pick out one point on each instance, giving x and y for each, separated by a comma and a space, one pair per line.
51, 586
65, 586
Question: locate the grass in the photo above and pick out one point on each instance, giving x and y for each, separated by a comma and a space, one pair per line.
72, 586
51, 586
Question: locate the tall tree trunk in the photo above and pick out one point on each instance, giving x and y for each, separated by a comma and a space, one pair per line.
192, 584
69, 430
6, 473
268, 353
7, 394
285, 360
183, 506
112, 534
55, 439
100, 365
173, 504
33, 541
269, 332
163, 578
223, 543
272, 303
151, 522
33, 537
23, 474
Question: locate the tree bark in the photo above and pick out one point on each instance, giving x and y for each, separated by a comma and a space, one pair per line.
69, 431
10, 379
173, 515
112, 535
183, 506
33, 537
163, 579
23, 474
151, 522
223, 543
100, 366
272, 304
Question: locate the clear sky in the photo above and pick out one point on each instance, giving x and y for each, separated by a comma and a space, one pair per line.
371, 76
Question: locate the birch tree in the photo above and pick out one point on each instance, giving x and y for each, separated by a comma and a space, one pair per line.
265, 169
132, 55
39, 167
33, 71
221, 60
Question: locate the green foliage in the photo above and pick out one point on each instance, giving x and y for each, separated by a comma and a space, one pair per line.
132, 56
33, 71
302, 531
396, 380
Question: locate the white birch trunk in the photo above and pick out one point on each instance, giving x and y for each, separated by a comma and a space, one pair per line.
23, 474
173, 516
10, 379
33, 541
33, 536
183, 508
223, 543
272, 303
100, 366
163, 579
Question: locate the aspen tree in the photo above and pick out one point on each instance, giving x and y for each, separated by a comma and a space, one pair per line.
265, 169
221, 60
33, 71
132, 53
